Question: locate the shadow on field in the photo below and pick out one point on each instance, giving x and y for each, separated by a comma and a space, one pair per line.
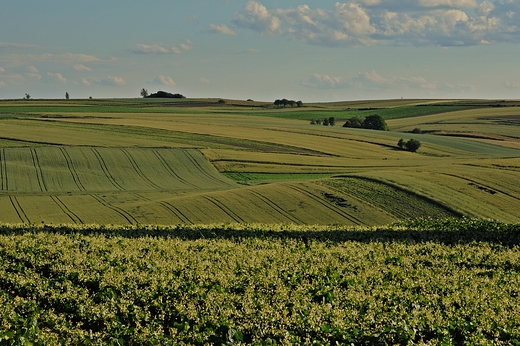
449, 232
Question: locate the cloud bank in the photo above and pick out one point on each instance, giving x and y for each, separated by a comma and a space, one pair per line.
405, 22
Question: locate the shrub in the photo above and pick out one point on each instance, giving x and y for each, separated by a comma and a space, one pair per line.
412, 145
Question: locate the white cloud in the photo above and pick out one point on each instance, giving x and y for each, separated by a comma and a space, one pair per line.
221, 29
318, 81
255, 16
80, 67
407, 22
370, 80
2, 70
3, 84
32, 72
113, 81
512, 85
449, 3
151, 49
57, 77
85, 82
204, 80
164, 80
162, 49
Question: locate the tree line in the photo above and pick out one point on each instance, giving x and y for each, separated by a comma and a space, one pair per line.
286, 102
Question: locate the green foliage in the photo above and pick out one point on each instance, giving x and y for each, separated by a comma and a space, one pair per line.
410, 283
375, 122
354, 122
412, 145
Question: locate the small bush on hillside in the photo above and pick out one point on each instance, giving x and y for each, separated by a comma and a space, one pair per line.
412, 145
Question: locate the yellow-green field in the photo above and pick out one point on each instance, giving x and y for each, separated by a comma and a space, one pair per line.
199, 162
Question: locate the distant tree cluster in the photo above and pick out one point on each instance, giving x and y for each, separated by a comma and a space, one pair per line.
325, 122
412, 145
161, 94
286, 102
372, 122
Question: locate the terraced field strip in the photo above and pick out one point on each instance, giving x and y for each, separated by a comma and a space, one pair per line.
449, 192
401, 203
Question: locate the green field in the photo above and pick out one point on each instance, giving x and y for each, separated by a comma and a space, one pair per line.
197, 162
191, 222
449, 283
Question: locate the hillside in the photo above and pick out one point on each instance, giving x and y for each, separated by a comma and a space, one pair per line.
199, 161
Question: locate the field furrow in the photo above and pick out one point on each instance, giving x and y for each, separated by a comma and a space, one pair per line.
3, 171
106, 171
127, 216
73, 217
166, 165
38, 169
72, 169
272, 204
195, 157
225, 209
138, 170
325, 203
19, 210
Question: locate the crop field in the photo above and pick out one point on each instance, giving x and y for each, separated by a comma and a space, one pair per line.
194, 222
424, 282
197, 161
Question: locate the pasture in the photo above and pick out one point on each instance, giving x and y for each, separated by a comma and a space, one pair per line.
168, 162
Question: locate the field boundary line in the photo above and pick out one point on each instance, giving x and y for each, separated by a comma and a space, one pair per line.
171, 171
126, 215
138, 170
75, 218
106, 170
225, 209
326, 204
3, 170
19, 210
276, 207
72, 169
38, 168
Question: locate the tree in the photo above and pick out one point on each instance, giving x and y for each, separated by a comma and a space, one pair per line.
277, 102
401, 143
144, 92
325, 122
291, 103
375, 122
332, 121
67, 95
299, 103
412, 145
354, 122
27, 96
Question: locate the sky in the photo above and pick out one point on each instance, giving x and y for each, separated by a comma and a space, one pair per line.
309, 50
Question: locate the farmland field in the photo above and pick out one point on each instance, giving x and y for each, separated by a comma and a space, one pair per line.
447, 282
192, 222
197, 161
